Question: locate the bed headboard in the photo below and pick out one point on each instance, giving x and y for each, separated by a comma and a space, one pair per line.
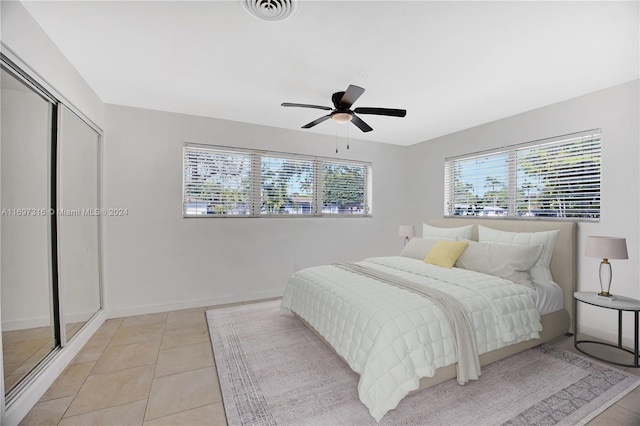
563, 262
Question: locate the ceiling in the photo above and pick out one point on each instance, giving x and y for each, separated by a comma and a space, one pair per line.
452, 65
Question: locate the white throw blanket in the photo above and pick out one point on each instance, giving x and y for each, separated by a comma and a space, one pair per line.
393, 337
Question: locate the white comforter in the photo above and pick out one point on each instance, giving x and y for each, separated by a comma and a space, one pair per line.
393, 337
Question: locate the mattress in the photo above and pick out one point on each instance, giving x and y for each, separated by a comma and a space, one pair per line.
393, 337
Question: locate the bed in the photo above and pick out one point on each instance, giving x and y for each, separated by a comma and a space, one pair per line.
374, 314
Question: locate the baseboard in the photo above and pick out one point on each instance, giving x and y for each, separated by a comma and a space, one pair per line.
23, 324
605, 336
194, 303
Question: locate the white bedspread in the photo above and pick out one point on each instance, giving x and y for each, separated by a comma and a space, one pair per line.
393, 337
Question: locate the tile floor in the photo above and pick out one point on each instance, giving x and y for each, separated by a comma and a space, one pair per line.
152, 369
158, 369
24, 349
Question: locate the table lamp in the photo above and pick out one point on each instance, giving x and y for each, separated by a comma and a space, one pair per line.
606, 248
407, 231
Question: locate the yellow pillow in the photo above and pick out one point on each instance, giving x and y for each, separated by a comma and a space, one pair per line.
445, 253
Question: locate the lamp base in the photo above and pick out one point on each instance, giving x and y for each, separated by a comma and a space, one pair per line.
610, 297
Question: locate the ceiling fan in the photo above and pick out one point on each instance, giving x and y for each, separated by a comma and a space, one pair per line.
342, 112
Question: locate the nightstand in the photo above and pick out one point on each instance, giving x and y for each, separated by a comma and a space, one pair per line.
620, 304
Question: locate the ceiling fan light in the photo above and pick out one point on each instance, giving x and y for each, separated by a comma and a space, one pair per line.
341, 117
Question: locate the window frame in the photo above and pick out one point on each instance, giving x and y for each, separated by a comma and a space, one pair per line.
512, 164
256, 183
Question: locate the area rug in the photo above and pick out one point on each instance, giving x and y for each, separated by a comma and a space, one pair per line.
274, 371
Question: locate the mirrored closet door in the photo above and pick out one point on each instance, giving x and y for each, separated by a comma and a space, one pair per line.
50, 225
78, 221
28, 332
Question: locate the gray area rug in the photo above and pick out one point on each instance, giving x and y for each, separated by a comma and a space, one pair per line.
274, 371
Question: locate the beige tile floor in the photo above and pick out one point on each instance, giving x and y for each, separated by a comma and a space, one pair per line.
24, 349
158, 369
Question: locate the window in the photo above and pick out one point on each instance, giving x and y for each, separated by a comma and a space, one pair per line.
553, 178
217, 182
344, 188
231, 182
286, 185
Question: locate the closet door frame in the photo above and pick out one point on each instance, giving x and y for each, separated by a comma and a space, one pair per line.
23, 396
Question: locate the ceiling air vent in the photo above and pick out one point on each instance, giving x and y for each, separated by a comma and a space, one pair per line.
270, 10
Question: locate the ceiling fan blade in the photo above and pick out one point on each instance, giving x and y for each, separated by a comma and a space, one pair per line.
318, 121
361, 124
289, 104
382, 111
350, 96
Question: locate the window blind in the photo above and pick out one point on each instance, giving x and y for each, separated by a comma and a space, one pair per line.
230, 182
217, 182
557, 177
286, 185
344, 188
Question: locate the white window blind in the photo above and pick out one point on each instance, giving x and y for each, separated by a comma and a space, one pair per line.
345, 188
230, 182
557, 177
286, 185
217, 182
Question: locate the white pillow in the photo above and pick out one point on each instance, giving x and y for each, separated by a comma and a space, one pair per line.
418, 248
511, 262
540, 271
464, 232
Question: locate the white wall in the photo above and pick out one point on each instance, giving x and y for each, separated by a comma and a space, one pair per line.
22, 34
616, 112
157, 260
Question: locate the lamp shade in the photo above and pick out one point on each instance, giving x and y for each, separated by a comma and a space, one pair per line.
407, 231
606, 247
